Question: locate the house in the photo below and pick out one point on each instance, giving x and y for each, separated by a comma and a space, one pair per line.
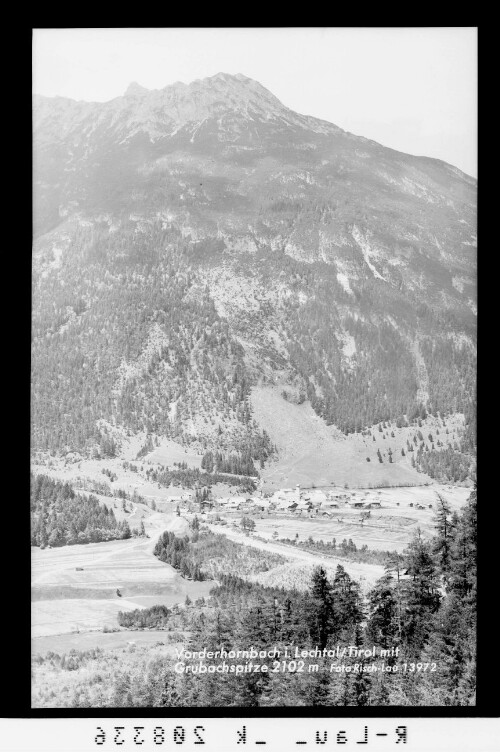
317, 498
304, 504
246, 505
282, 505
262, 505
287, 494
338, 496
239, 500
276, 498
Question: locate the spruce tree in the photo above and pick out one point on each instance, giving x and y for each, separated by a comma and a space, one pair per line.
322, 609
383, 624
422, 592
443, 539
348, 602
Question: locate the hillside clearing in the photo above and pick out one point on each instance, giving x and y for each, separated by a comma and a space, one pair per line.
311, 452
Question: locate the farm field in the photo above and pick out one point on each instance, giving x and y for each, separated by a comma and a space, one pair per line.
74, 587
63, 643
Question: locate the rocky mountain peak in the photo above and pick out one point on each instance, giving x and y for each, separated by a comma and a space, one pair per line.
136, 90
226, 105
217, 95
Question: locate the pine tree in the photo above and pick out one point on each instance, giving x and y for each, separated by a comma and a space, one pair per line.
463, 566
422, 592
394, 568
42, 534
444, 535
322, 609
348, 602
256, 626
383, 624
318, 687
362, 682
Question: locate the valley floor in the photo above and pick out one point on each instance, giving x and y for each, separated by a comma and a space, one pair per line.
74, 588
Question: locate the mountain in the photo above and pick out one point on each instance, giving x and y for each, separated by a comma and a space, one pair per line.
197, 244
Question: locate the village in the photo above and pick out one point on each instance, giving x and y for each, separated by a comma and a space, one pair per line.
299, 502
378, 518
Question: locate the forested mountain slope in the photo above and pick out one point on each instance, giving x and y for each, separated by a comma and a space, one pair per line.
200, 240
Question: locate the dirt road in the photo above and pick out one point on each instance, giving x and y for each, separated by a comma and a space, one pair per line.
367, 574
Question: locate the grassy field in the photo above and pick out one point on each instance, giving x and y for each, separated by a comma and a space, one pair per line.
169, 452
74, 587
63, 643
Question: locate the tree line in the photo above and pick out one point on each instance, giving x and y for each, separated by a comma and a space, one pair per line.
61, 517
195, 478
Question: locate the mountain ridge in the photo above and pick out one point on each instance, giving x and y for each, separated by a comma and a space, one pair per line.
135, 89
260, 246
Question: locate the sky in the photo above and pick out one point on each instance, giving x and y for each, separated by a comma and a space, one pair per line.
412, 89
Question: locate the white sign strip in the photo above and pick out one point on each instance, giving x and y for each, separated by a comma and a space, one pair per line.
230, 735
